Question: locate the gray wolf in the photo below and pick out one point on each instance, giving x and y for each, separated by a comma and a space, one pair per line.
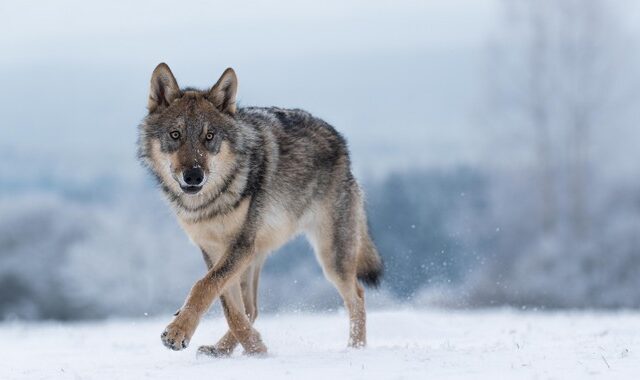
242, 182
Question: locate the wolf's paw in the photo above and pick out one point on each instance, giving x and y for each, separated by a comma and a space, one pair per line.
178, 334
212, 351
257, 353
357, 344
255, 347
175, 338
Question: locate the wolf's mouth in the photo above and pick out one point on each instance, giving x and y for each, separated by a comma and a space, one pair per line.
191, 189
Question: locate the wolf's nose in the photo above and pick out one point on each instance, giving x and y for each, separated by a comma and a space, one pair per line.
193, 176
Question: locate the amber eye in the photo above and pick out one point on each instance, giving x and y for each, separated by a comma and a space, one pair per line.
175, 135
209, 136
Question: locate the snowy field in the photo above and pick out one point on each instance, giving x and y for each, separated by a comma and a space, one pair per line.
405, 344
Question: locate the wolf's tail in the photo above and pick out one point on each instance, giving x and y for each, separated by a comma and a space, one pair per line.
369, 264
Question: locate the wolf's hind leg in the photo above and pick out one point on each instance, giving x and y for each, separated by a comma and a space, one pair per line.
350, 290
249, 286
335, 239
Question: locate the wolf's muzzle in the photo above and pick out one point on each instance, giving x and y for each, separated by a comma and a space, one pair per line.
192, 180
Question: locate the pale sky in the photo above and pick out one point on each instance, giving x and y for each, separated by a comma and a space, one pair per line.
403, 80
395, 77
113, 31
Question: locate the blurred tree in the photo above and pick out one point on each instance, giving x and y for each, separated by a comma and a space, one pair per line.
555, 71
563, 85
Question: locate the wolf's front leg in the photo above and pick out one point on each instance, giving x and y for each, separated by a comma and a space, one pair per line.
248, 287
179, 332
240, 327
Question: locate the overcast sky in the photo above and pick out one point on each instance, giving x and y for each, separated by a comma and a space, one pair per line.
141, 31
401, 79
392, 75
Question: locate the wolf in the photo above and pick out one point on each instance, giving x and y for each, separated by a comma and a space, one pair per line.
243, 181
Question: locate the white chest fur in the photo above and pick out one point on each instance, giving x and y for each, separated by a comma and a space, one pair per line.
216, 235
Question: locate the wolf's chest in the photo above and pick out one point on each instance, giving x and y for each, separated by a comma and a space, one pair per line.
216, 235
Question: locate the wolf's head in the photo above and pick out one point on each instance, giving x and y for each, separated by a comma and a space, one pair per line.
189, 138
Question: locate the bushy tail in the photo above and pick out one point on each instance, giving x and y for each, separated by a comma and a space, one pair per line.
370, 266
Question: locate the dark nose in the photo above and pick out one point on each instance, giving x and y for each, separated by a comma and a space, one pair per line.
193, 176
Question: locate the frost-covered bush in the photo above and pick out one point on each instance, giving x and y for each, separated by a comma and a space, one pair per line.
525, 265
451, 237
36, 232
66, 259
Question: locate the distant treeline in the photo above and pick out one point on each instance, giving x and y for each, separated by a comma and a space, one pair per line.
110, 249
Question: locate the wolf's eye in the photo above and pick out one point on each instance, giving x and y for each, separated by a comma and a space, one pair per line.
175, 135
209, 136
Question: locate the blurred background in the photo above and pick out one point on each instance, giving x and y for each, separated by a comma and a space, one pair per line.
496, 141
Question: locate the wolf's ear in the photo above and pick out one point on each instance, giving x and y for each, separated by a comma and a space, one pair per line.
164, 88
223, 93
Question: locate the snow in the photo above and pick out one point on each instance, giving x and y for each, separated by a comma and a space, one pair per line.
403, 344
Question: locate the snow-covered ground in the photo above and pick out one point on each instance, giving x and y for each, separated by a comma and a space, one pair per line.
404, 344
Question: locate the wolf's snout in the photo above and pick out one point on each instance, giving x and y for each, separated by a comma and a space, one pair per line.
192, 180
193, 176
